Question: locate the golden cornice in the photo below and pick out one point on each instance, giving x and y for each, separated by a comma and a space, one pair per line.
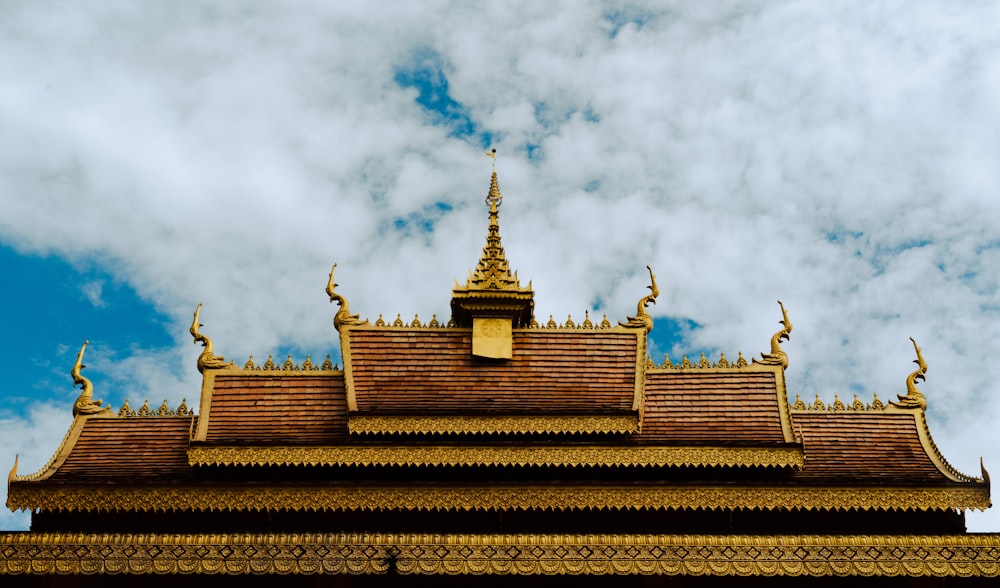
492, 425
502, 554
499, 456
101, 498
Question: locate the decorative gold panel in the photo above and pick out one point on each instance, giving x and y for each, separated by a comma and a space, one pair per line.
381, 553
477, 498
499, 456
487, 425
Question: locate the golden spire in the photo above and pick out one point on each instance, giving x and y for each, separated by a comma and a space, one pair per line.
493, 271
491, 288
913, 397
85, 403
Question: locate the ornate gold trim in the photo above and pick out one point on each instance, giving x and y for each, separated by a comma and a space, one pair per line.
381, 553
777, 356
913, 397
492, 425
642, 320
57, 459
343, 317
498, 456
499, 498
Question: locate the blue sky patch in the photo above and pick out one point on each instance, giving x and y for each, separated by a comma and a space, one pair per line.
51, 308
426, 73
422, 221
624, 16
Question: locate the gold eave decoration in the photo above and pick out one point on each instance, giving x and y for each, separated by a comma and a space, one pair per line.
103, 498
502, 554
777, 356
208, 359
492, 425
85, 404
499, 456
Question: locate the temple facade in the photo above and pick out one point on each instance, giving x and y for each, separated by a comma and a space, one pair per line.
490, 445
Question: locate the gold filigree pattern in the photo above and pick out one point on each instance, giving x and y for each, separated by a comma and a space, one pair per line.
642, 319
208, 359
838, 405
723, 364
490, 425
343, 316
85, 403
777, 356
164, 411
500, 456
913, 397
98, 498
290, 366
524, 554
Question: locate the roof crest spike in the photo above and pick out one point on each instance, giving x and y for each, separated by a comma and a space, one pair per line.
85, 403
642, 318
777, 356
913, 397
208, 359
343, 316
13, 473
982, 468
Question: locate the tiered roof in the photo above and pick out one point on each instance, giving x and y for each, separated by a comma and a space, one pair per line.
494, 413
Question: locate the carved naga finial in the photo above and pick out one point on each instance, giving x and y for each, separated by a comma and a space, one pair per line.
343, 316
208, 359
642, 318
85, 404
777, 356
913, 397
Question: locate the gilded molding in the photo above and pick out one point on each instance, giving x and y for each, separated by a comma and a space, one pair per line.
704, 364
499, 456
527, 554
492, 425
101, 498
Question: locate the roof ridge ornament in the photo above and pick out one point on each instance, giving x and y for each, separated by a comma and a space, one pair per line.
343, 316
208, 359
642, 318
85, 404
913, 397
777, 356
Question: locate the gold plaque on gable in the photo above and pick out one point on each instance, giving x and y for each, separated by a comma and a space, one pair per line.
491, 337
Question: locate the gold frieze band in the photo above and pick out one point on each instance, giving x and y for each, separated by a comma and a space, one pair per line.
493, 425
478, 498
371, 553
499, 456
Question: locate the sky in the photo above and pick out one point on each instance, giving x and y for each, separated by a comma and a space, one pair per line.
843, 157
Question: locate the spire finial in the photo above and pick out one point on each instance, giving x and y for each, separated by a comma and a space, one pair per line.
494, 199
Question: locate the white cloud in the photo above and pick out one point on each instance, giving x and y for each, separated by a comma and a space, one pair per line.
748, 152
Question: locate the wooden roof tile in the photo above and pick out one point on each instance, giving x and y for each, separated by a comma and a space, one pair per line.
424, 371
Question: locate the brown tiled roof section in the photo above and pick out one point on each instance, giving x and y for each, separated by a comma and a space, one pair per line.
711, 407
283, 409
124, 449
863, 447
425, 372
